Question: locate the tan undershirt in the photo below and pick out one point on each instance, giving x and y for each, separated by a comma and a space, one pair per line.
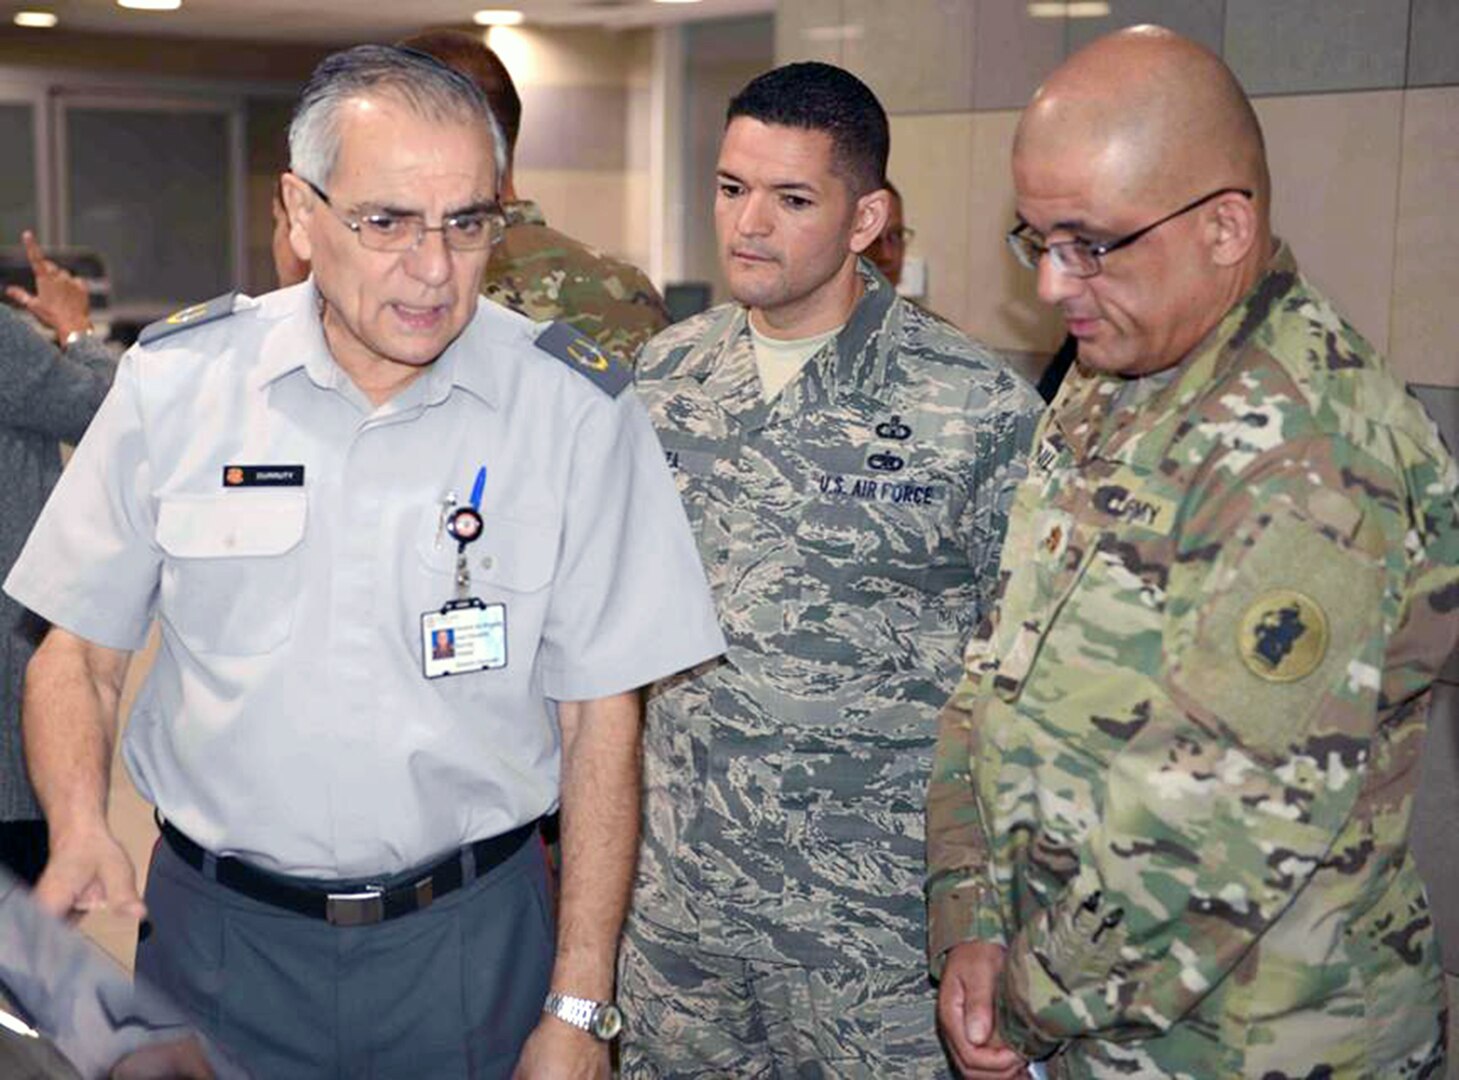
780, 361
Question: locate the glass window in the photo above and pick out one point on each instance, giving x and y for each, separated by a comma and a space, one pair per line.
19, 207
151, 189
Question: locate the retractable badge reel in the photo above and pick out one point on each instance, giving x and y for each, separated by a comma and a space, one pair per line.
466, 634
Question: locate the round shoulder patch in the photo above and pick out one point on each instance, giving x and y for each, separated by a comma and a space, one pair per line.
1282, 636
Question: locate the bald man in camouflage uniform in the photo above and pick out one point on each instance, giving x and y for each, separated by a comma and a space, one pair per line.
849, 521
1169, 814
535, 270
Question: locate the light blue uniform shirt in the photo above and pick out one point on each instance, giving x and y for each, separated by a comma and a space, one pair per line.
287, 720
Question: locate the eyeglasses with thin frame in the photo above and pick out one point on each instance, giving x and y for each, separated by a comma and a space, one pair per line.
388, 230
1082, 258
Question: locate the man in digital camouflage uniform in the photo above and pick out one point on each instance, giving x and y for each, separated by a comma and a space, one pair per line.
846, 461
1167, 826
537, 270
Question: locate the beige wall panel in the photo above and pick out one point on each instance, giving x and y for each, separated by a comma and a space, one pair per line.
636, 210
809, 30
569, 56
1334, 162
1002, 303
638, 55
916, 54
588, 206
1425, 327
931, 160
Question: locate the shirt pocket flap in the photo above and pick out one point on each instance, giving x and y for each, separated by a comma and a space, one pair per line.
231, 526
520, 556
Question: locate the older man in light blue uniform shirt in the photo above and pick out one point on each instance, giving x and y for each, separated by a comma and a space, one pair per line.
348, 887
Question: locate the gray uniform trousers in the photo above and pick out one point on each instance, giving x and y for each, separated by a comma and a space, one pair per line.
448, 992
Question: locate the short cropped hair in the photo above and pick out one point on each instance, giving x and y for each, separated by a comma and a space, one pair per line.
424, 85
468, 55
822, 97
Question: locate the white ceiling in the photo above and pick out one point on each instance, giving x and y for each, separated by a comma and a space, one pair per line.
348, 21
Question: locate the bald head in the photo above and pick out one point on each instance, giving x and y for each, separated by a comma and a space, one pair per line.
1159, 116
1143, 149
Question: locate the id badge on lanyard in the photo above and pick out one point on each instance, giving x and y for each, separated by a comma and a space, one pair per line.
465, 634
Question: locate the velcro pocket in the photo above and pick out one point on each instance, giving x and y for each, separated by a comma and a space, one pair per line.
1290, 627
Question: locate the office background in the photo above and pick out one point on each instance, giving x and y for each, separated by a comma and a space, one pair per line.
158, 142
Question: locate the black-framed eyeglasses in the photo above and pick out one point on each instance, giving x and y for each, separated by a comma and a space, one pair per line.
1081, 258
387, 230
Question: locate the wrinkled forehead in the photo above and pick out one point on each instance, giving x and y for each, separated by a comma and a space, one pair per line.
398, 148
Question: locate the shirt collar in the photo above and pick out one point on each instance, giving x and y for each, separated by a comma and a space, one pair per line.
845, 362
470, 361
863, 349
1092, 417
295, 340
294, 337
857, 360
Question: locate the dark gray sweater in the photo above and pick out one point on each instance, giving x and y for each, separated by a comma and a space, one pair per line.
46, 396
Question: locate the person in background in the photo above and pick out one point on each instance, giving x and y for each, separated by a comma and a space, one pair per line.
847, 461
537, 270
47, 396
889, 250
1057, 369
1168, 822
289, 268
301, 489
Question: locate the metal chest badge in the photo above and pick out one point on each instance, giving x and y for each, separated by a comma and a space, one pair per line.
466, 634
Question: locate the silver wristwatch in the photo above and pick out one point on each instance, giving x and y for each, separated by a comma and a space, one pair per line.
78, 335
600, 1019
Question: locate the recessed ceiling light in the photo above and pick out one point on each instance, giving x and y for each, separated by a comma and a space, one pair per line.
1073, 9
39, 20
498, 17
150, 5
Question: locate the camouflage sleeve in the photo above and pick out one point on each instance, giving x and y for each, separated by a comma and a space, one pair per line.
1286, 586
1002, 463
962, 901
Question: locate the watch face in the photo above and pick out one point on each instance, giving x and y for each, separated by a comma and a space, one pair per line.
607, 1022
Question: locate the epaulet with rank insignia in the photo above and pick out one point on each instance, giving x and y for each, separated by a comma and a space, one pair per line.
581, 353
188, 317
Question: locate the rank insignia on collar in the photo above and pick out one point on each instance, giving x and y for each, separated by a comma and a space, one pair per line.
1283, 636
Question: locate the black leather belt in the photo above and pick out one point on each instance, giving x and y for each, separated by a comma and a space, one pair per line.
362, 906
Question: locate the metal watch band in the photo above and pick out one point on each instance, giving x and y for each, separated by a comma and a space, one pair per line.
572, 1010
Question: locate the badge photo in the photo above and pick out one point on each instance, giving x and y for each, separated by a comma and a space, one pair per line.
464, 636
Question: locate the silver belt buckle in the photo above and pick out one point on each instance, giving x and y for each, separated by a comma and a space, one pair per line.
355, 909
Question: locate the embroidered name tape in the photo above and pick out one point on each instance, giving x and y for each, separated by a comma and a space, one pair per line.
263, 476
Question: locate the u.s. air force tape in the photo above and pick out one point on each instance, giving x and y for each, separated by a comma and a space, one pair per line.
581, 353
